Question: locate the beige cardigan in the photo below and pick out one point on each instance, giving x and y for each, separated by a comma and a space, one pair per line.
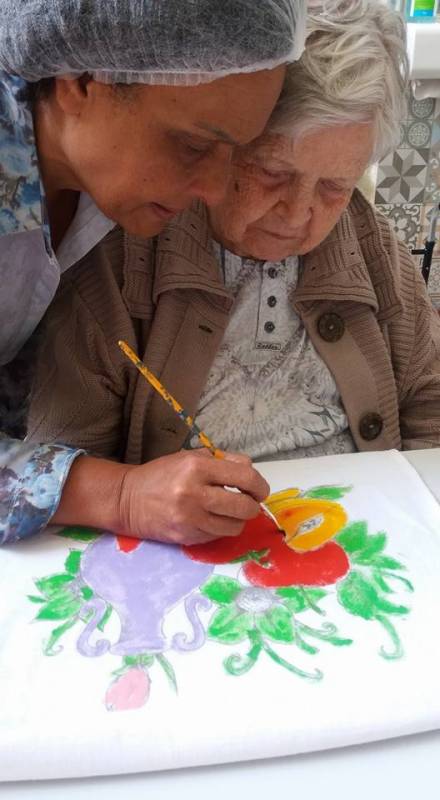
359, 295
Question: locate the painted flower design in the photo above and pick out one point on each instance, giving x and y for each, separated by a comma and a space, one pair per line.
304, 555
129, 691
275, 606
262, 616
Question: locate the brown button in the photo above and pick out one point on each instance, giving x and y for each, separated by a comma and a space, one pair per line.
370, 426
331, 327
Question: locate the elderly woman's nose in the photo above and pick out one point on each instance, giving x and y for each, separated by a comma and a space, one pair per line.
212, 178
296, 205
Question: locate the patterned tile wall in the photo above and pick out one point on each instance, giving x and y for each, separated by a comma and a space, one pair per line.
408, 182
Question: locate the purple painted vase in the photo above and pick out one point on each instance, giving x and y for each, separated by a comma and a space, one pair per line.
142, 586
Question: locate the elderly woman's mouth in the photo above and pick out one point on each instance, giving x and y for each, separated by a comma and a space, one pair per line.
283, 237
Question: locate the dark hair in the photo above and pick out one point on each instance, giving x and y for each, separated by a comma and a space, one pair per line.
39, 90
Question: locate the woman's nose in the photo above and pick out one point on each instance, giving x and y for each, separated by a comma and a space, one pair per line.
296, 206
211, 181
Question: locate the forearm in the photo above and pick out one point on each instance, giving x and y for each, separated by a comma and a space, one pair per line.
91, 494
31, 482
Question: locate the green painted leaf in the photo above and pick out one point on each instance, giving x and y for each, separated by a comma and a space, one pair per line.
221, 589
381, 582
86, 592
79, 534
386, 562
130, 661
140, 660
105, 618
53, 585
400, 579
293, 598
60, 608
73, 562
229, 626
327, 492
168, 669
56, 634
353, 537
373, 547
277, 624
384, 605
34, 599
358, 596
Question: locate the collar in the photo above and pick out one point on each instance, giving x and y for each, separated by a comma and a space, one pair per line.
352, 264
185, 256
21, 193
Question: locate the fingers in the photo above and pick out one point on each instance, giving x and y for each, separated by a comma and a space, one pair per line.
238, 471
235, 505
200, 468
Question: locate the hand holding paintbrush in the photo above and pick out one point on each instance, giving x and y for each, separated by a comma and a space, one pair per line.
180, 411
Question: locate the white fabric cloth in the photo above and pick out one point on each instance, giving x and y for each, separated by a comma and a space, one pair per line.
285, 400
53, 717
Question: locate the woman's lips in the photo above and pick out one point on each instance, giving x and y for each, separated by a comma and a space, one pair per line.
283, 237
164, 213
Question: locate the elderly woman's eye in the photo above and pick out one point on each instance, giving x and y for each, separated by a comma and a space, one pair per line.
335, 188
276, 177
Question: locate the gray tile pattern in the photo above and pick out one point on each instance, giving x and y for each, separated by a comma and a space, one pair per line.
405, 220
402, 176
408, 181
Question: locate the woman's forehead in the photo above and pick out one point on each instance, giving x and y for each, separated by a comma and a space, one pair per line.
345, 147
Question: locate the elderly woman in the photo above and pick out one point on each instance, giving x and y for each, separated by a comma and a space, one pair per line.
288, 319
116, 113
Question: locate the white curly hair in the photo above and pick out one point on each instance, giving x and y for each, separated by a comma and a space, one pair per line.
354, 69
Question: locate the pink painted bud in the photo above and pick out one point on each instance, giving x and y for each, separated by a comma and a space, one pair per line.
131, 690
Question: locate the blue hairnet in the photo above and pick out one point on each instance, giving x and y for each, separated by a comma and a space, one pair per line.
148, 41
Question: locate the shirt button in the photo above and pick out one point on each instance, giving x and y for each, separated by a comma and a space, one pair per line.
269, 327
370, 426
271, 301
272, 272
331, 327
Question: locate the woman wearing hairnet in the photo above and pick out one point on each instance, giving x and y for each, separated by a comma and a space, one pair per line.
121, 113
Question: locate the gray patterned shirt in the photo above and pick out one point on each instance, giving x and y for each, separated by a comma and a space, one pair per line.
269, 394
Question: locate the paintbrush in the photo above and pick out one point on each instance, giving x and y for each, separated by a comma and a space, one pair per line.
180, 411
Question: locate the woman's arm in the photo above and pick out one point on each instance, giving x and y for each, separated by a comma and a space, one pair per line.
31, 481
180, 498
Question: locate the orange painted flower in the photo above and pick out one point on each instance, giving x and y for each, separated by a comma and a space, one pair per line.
307, 522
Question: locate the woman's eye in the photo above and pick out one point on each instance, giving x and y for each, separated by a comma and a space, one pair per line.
276, 177
197, 149
335, 188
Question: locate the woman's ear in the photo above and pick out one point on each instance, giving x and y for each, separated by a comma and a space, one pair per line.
72, 94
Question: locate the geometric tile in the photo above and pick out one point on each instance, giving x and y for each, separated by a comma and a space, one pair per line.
405, 220
421, 109
432, 193
415, 133
402, 176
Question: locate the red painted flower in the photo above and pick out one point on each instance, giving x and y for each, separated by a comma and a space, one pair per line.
270, 562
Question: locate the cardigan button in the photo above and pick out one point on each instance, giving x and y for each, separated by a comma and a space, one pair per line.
331, 327
370, 426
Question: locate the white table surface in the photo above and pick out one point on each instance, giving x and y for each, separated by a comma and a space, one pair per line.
397, 769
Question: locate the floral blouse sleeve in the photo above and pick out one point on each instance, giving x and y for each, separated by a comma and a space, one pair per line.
31, 481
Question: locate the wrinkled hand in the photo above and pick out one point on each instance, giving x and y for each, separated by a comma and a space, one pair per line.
182, 498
